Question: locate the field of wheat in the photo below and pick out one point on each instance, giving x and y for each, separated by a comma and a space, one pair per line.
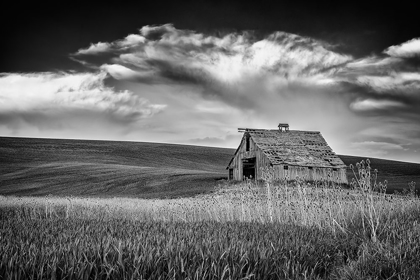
266, 230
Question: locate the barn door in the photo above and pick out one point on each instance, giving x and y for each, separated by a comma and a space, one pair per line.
249, 168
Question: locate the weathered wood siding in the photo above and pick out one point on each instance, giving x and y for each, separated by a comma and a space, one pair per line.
311, 174
254, 151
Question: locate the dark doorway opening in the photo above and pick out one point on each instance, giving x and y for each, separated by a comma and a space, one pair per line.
249, 168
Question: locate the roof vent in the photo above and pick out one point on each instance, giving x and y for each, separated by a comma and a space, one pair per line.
284, 126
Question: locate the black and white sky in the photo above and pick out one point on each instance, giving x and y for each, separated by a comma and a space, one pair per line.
192, 72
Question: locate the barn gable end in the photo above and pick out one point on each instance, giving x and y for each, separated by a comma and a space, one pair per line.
291, 153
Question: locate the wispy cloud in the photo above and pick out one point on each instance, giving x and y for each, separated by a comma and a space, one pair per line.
167, 53
52, 101
372, 104
376, 149
96, 49
227, 67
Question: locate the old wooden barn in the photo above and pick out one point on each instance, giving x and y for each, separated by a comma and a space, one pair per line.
291, 153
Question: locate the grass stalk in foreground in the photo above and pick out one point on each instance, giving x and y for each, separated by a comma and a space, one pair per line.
313, 231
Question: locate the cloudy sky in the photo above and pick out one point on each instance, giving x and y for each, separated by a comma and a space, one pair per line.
193, 72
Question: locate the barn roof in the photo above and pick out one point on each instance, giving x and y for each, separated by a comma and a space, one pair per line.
294, 147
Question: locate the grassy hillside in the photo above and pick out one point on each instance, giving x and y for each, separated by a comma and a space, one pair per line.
107, 168
397, 173
149, 170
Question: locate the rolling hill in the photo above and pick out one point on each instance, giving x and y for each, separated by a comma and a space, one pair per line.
397, 173
62, 167
107, 168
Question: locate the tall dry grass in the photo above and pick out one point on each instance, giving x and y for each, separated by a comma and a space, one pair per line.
323, 204
272, 229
